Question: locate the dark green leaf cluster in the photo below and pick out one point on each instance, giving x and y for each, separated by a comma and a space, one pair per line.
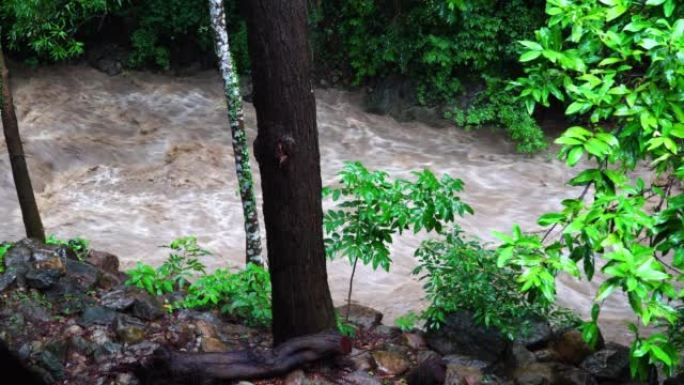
461, 274
438, 43
498, 106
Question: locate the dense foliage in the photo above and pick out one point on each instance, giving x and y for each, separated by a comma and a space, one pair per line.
158, 33
459, 273
617, 64
245, 294
446, 48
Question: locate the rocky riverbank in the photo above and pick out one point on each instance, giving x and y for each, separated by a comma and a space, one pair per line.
75, 322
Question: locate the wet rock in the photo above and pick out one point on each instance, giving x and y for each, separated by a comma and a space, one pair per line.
97, 315
8, 279
462, 375
104, 261
35, 312
213, 345
361, 360
358, 377
431, 371
461, 360
534, 374
414, 341
611, 363
389, 332
179, 335
425, 355
145, 348
569, 347
518, 356
360, 315
296, 377
24, 352
568, 375
42, 279
58, 346
390, 362
107, 58
109, 281
117, 300
34, 253
146, 307
52, 364
545, 355
83, 274
129, 330
81, 345
460, 334
536, 336
71, 304
126, 379
72, 330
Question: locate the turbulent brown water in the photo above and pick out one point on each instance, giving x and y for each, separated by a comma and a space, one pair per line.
134, 161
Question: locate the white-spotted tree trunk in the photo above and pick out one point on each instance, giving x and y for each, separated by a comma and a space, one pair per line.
231, 88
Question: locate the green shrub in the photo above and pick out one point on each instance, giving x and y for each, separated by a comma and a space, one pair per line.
174, 273
80, 246
461, 274
499, 106
49, 28
245, 294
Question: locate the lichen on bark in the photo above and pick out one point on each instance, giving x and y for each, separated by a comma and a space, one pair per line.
231, 87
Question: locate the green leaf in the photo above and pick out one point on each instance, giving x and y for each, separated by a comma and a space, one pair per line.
576, 107
550, 219
574, 156
529, 56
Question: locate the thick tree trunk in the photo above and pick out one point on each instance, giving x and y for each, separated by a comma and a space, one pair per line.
22, 180
289, 160
231, 87
177, 367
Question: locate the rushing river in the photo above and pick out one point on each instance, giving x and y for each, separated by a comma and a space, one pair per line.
134, 161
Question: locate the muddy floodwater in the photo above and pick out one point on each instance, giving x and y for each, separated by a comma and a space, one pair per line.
134, 161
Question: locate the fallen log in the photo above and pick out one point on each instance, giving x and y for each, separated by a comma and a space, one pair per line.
168, 367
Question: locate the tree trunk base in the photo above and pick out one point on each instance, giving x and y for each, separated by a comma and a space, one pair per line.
166, 367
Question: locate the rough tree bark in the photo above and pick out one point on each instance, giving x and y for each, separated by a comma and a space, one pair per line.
231, 87
22, 180
287, 151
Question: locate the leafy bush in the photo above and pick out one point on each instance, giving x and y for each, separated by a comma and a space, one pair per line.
438, 43
373, 209
49, 27
162, 30
80, 246
498, 106
174, 273
617, 65
461, 274
245, 294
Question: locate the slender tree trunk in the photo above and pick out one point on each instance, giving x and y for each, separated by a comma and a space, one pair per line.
231, 87
289, 160
22, 180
